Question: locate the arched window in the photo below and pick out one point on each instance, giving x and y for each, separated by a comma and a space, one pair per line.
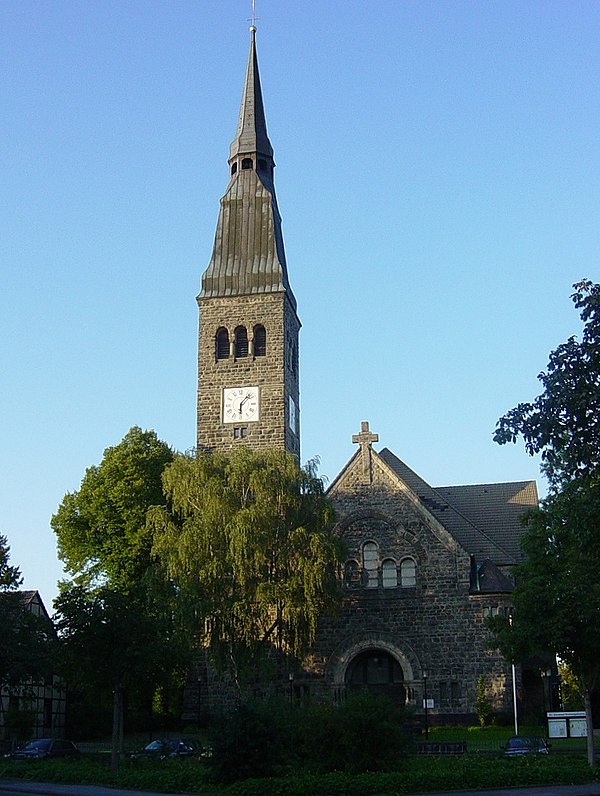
241, 342
233, 169
389, 574
351, 574
408, 573
247, 163
370, 565
222, 343
260, 340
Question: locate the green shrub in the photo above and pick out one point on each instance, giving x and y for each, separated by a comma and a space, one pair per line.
253, 741
482, 703
365, 733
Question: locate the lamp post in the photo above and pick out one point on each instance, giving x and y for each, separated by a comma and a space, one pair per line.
425, 705
514, 686
291, 679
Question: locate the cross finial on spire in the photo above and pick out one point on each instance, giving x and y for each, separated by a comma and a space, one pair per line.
253, 18
365, 439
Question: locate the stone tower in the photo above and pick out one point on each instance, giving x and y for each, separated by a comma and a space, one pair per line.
248, 381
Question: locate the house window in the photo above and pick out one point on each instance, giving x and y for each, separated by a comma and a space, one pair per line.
351, 574
444, 694
247, 163
240, 433
455, 693
222, 343
408, 573
241, 342
260, 340
370, 564
389, 574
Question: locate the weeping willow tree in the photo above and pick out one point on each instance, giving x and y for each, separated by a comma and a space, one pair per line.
248, 541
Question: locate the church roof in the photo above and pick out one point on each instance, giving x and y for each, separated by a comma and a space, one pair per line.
483, 518
251, 135
248, 254
496, 508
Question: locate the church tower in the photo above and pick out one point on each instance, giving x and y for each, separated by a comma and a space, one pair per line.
248, 381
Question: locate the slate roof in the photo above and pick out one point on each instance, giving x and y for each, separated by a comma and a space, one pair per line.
483, 518
248, 254
495, 508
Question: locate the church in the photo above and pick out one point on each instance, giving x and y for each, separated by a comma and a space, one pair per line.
426, 565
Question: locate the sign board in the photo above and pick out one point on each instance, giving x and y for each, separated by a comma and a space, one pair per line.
567, 724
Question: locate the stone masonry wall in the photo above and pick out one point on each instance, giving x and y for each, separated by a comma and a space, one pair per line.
276, 374
435, 627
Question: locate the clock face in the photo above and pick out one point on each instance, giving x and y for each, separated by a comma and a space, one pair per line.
240, 404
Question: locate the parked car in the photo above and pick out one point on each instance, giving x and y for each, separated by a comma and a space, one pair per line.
41, 748
523, 745
168, 749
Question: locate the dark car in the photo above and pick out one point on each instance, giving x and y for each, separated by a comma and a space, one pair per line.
169, 749
41, 748
523, 745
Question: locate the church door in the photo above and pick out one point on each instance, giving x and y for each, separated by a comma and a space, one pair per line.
378, 671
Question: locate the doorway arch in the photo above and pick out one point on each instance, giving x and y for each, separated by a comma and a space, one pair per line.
377, 671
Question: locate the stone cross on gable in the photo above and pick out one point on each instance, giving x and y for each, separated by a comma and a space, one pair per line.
365, 440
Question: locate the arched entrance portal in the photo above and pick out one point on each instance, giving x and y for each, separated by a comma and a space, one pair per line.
378, 671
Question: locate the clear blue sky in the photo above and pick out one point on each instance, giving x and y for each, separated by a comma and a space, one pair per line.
439, 180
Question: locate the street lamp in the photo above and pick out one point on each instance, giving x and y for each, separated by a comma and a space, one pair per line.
514, 685
425, 705
291, 679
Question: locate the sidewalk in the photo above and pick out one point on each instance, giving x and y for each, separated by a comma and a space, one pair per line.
45, 789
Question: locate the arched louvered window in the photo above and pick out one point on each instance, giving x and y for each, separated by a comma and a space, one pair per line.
389, 574
408, 573
247, 163
222, 343
241, 342
260, 340
370, 565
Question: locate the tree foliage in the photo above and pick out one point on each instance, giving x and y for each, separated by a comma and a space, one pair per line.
114, 644
557, 594
111, 639
563, 423
26, 640
101, 528
248, 540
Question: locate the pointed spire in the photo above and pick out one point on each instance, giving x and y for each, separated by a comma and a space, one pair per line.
248, 254
251, 137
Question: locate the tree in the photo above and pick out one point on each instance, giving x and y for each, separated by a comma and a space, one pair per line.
572, 696
101, 528
556, 601
563, 423
115, 615
248, 539
26, 640
557, 591
482, 703
111, 643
